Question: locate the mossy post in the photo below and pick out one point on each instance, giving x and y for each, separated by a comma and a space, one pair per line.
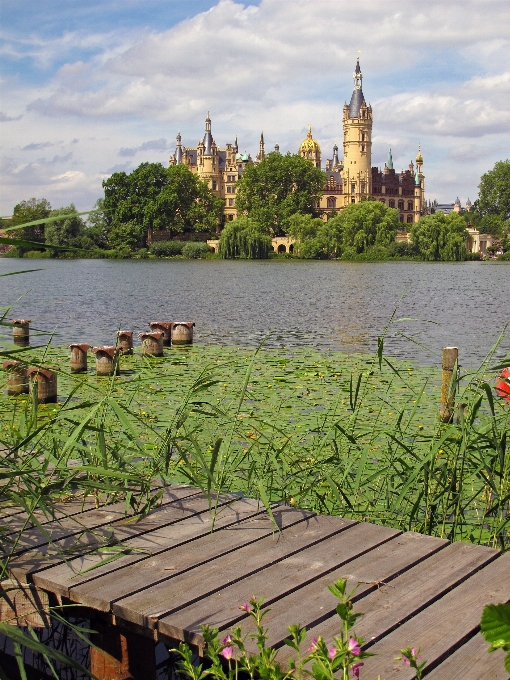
125, 342
17, 380
152, 344
182, 332
43, 383
450, 359
164, 327
107, 360
21, 332
79, 357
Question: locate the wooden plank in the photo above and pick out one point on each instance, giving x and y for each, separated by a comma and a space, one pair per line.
221, 609
84, 569
146, 607
387, 606
22, 605
104, 591
122, 654
442, 627
472, 662
314, 604
48, 555
69, 526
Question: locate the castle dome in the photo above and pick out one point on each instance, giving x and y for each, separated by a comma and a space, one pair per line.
309, 144
419, 157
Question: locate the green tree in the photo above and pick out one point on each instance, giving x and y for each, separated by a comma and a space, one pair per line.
277, 188
154, 197
64, 232
29, 211
96, 228
358, 228
493, 204
244, 238
440, 237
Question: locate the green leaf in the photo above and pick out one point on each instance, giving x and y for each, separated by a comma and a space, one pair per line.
495, 627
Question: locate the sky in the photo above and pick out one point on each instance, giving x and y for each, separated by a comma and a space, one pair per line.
91, 88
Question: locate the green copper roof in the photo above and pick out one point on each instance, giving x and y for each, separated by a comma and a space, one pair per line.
389, 162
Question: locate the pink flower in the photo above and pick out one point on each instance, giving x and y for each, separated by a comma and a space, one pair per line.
245, 607
227, 640
227, 653
406, 661
353, 647
332, 652
356, 667
313, 645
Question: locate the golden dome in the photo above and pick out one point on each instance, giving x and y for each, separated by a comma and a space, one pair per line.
309, 144
419, 157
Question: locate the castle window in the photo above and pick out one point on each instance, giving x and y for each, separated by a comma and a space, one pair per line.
409, 205
231, 201
353, 200
381, 200
391, 203
362, 148
214, 185
401, 218
230, 218
229, 190
362, 187
409, 219
353, 188
331, 202
401, 205
362, 136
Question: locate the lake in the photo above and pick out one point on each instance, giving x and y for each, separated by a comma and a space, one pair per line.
338, 305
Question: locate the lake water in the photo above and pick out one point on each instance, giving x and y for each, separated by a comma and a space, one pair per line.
338, 305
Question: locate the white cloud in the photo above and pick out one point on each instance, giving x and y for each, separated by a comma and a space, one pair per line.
275, 67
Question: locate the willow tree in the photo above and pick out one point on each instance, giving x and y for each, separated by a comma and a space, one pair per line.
244, 238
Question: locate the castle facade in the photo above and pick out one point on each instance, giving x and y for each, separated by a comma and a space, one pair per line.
350, 180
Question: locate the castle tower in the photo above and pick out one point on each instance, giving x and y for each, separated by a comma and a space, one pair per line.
419, 181
261, 154
310, 149
208, 160
357, 124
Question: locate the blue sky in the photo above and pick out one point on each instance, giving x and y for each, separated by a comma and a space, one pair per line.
88, 88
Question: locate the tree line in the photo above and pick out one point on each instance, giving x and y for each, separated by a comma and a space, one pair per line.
277, 197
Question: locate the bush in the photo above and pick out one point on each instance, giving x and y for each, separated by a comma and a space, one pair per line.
505, 256
37, 254
166, 248
474, 256
13, 252
143, 253
402, 249
192, 250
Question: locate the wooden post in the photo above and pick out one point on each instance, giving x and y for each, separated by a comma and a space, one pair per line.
450, 358
182, 332
43, 384
21, 332
164, 327
79, 357
125, 342
152, 344
124, 655
107, 360
17, 380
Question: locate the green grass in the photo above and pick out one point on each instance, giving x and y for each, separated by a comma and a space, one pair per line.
335, 433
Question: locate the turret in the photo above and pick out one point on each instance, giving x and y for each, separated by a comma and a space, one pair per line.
357, 123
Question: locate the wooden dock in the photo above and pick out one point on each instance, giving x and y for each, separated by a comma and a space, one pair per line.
174, 574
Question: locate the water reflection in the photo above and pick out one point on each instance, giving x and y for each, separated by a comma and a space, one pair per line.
343, 306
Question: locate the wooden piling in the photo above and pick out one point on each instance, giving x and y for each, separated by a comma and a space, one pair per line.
79, 357
182, 332
450, 358
43, 383
152, 344
107, 360
125, 342
17, 380
164, 327
21, 332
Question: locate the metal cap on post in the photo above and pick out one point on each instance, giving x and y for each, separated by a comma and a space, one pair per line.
164, 327
450, 359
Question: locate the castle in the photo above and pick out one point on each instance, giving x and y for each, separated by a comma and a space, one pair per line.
350, 180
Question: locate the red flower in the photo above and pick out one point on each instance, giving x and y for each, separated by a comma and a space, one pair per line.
503, 385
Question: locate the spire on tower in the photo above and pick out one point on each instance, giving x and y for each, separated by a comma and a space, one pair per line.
389, 162
178, 149
357, 99
208, 140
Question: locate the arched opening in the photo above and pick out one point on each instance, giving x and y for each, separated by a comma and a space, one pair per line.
291, 248
401, 205
391, 203
331, 202
401, 218
409, 205
282, 248
409, 219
